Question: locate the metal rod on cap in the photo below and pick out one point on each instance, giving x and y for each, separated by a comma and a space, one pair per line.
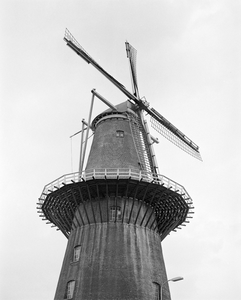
81, 147
103, 99
87, 135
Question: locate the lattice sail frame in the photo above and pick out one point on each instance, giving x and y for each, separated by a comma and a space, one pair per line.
165, 132
132, 54
69, 36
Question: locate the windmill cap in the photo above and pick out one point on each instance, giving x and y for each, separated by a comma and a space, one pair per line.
119, 111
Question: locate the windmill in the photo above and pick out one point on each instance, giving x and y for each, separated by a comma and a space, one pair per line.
116, 212
158, 122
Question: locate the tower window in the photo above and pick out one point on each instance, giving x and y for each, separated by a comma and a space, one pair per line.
115, 213
120, 133
76, 255
141, 166
70, 289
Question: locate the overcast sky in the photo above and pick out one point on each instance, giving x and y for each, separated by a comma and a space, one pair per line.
188, 68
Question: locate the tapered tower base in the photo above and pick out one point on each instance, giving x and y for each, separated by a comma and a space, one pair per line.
118, 260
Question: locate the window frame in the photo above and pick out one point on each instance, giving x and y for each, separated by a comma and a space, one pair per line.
70, 289
115, 213
120, 133
76, 253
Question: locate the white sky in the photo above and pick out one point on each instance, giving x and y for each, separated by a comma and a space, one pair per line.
188, 68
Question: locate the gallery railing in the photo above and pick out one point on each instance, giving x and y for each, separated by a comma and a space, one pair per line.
123, 173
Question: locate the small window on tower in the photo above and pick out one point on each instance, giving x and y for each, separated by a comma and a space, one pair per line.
115, 213
141, 166
70, 290
76, 255
120, 133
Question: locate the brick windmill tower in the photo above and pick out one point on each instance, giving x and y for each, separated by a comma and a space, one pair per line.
116, 211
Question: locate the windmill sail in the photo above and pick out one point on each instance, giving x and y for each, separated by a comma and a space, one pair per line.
131, 54
74, 45
176, 137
